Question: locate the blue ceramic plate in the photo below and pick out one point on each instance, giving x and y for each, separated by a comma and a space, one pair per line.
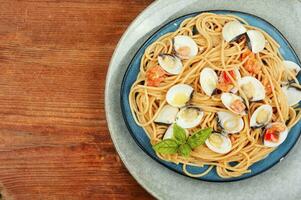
140, 136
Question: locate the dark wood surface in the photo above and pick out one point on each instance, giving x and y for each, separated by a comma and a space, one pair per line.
54, 141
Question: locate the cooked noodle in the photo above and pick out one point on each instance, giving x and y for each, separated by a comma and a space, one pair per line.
247, 148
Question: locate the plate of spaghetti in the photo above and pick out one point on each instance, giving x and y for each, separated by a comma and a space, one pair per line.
214, 96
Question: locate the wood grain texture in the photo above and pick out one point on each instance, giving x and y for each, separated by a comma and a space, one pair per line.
54, 141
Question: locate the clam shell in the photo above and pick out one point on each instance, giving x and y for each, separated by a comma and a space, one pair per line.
185, 41
258, 87
253, 122
292, 94
282, 137
182, 91
232, 30
174, 66
235, 122
256, 41
208, 80
292, 65
167, 115
228, 98
224, 148
189, 123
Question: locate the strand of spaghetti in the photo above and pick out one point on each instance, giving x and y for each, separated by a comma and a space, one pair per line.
274, 95
197, 175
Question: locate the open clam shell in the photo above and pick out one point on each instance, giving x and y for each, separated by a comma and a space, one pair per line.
232, 30
167, 115
233, 103
189, 117
219, 143
179, 95
208, 80
281, 136
292, 93
185, 47
230, 123
293, 67
253, 88
170, 63
256, 41
261, 116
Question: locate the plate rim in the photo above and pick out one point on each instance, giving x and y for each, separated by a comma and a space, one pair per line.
137, 21
157, 159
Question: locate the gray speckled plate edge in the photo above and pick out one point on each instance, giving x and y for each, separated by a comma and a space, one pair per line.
281, 182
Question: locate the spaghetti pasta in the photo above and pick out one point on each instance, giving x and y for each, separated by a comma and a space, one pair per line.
148, 96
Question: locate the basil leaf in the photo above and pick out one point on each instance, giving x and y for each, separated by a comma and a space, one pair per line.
184, 150
179, 134
199, 137
167, 146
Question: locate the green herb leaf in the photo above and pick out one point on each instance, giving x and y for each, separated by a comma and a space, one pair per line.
179, 134
199, 137
184, 150
167, 146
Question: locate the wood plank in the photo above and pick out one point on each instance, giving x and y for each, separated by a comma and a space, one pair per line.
54, 141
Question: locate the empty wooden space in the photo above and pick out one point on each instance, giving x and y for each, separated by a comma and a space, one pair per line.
54, 141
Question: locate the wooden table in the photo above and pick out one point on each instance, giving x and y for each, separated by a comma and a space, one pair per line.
54, 141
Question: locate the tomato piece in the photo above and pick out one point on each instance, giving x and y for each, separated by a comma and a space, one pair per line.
246, 54
271, 135
154, 76
226, 78
275, 137
225, 83
251, 64
268, 136
224, 86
